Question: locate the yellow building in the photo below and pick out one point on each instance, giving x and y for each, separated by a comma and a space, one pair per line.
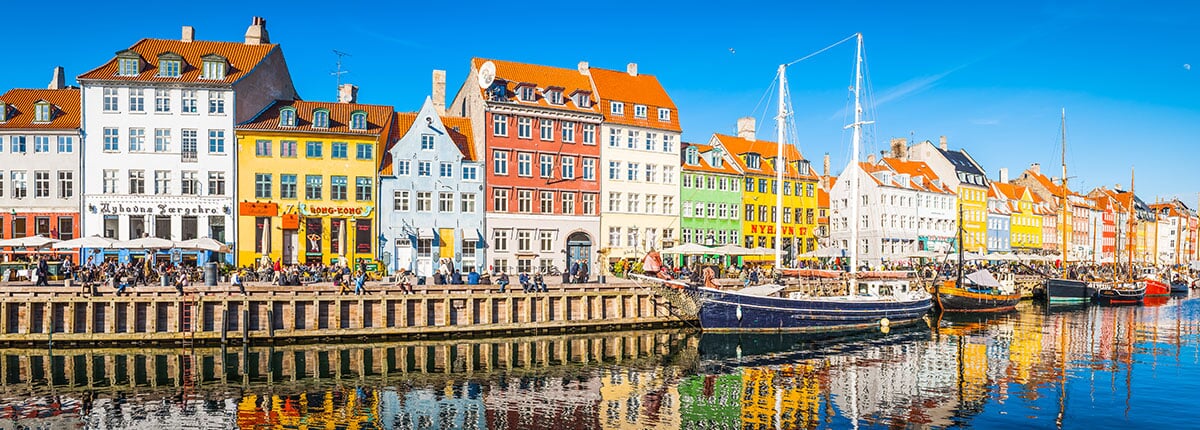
307, 181
756, 159
1025, 227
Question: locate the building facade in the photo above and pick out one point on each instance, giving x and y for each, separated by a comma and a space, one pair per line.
999, 230
640, 158
711, 195
960, 171
537, 128
306, 181
431, 194
159, 117
936, 206
1025, 224
39, 161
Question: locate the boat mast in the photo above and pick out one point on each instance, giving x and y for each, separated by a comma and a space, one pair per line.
780, 167
1064, 203
854, 167
1132, 212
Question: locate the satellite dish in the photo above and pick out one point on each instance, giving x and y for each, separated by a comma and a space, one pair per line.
487, 74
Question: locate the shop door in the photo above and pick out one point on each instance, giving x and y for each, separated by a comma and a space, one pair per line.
291, 241
404, 254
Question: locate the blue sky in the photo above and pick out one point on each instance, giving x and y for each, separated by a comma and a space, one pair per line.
991, 76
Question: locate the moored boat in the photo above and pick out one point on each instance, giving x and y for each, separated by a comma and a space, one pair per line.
1067, 290
1120, 292
977, 292
764, 308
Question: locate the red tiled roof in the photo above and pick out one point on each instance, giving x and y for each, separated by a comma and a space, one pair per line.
766, 150
459, 129
634, 90
242, 59
513, 73
1010, 191
339, 118
918, 168
64, 110
702, 164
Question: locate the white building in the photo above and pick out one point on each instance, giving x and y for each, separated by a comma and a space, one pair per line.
39, 161
903, 208
639, 158
158, 156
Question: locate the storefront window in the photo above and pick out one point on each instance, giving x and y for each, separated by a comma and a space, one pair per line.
112, 226
189, 228
66, 228
162, 227
216, 228
18, 227
41, 226
137, 227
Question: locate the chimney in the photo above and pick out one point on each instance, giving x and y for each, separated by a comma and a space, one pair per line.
942, 143
870, 158
257, 33
1036, 168
439, 91
189, 33
347, 93
1117, 187
825, 165
745, 127
584, 68
1004, 175
900, 148
59, 81
631, 69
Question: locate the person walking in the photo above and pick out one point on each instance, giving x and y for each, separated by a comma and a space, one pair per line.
43, 273
360, 280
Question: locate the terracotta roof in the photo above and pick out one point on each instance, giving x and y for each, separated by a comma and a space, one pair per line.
702, 165
642, 89
64, 111
242, 59
822, 198
1048, 184
918, 168
339, 118
511, 73
766, 150
1010, 191
459, 129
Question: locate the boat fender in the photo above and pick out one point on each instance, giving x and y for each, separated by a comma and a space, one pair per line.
739, 312
884, 322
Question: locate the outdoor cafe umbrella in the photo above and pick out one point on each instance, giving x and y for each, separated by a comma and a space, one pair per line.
824, 252
38, 241
85, 242
145, 243
688, 249
759, 250
731, 249
203, 244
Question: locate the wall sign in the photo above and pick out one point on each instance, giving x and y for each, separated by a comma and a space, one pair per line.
183, 209
358, 211
257, 209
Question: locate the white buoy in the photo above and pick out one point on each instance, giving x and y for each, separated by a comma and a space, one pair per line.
884, 322
739, 312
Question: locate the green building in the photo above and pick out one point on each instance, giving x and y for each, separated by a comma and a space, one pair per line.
711, 196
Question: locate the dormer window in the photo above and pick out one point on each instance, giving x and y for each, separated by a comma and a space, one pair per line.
664, 114
358, 120
321, 118
498, 91
554, 95
526, 92
802, 167
718, 159
129, 63
693, 156
41, 111
170, 65
753, 161
617, 108
3, 112
213, 67
639, 111
287, 117
582, 99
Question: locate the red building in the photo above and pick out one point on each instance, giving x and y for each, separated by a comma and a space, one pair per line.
536, 130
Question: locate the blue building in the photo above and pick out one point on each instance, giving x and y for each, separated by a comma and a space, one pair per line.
999, 221
430, 191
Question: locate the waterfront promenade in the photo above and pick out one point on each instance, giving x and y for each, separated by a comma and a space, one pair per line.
267, 313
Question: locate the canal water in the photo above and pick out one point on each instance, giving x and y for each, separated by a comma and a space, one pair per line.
1085, 367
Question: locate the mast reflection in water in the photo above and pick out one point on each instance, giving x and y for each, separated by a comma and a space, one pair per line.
1036, 367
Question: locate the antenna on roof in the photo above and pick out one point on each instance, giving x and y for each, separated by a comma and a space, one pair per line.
339, 72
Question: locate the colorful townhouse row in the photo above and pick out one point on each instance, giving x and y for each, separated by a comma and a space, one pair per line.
528, 167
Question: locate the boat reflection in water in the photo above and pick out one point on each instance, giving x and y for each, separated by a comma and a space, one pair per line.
1037, 367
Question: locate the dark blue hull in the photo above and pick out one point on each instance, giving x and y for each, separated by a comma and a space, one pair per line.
728, 311
1179, 287
1066, 290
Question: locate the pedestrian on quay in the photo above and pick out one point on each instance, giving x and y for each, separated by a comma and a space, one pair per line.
237, 281
574, 271
525, 284
181, 280
43, 273
404, 280
502, 281
360, 280
539, 284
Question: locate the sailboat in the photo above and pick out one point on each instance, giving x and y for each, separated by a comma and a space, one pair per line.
868, 302
1063, 289
976, 292
1126, 291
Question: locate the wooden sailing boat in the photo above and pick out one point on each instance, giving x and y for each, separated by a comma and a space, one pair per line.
1126, 291
977, 292
1064, 289
868, 302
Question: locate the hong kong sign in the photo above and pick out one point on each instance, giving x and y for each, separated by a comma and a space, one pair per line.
353, 211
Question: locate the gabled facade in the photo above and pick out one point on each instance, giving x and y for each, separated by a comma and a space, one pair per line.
639, 153
158, 154
757, 160
39, 161
1176, 233
1025, 221
537, 129
306, 181
936, 205
999, 221
711, 195
1077, 220
960, 171
432, 195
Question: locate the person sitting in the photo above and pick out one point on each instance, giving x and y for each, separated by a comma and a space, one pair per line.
525, 284
181, 280
538, 283
456, 278
502, 281
472, 277
438, 278
120, 282
360, 281
236, 279
405, 281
